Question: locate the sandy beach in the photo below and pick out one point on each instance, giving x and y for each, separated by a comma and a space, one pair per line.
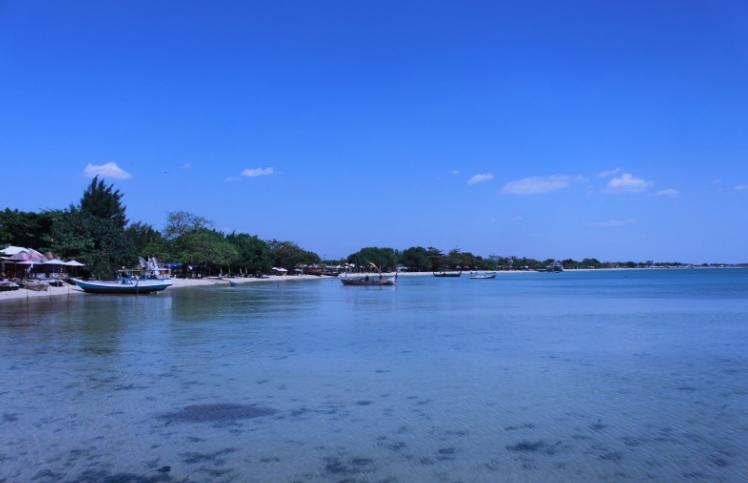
71, 291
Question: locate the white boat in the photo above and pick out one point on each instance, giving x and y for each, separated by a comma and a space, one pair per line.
482, 276
123, 286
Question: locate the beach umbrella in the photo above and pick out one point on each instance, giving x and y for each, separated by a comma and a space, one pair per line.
74, 263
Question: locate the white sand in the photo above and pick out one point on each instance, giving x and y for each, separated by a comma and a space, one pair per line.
69, 290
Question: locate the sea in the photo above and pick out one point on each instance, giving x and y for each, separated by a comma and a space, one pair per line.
630, 375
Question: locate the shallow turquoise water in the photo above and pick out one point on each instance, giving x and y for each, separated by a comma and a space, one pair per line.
631, 375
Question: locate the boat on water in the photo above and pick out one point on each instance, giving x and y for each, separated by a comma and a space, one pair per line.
555, 267
447, 274
368, 280
482, 276
132, 286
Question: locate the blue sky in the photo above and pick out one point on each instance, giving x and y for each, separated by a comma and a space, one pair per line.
608, 129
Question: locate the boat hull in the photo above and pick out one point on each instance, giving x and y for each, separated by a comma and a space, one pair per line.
117, 288
483, 276
447, 274
369, 281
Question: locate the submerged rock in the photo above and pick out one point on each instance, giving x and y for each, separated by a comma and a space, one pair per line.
203, 413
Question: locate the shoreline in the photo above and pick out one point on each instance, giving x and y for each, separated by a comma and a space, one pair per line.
178, 283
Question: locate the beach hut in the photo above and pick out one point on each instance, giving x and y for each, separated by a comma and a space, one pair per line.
279, 271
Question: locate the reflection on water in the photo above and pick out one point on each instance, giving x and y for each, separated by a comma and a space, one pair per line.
529, 377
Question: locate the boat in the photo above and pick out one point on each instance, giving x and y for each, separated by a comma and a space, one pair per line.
447, 274
122, 286
555, 267
482, 276
375, 280
7, 286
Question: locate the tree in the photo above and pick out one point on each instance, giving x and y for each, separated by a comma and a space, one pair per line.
146, 241
26, 229
179, 223
252, 254
203, 247
416, 259
288, 255
102, 201
385, 259
436, 257
98, 242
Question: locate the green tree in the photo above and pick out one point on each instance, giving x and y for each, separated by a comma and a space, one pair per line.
416, 259
146, 241
205, 248
102, 201
179, 223
436, 257
288, 255
100, 243
26, 229
252, 254
385, 259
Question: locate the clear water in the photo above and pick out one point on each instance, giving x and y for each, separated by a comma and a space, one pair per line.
636, 375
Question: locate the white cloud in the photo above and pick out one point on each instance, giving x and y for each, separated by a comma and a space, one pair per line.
231, 179
613, 223
108, 170
670, 192
536, 185
480, 178
186, 165
254, 172
608, 173
455, 172
627, 183
741, 187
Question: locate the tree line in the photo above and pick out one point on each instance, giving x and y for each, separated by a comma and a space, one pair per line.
96, 231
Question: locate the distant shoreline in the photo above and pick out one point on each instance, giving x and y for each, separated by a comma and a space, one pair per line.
21, 295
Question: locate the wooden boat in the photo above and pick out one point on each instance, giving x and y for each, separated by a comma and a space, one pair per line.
482, 276
447, 274
7, 286
377, 280
123, 286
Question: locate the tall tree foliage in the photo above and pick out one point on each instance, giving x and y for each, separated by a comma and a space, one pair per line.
253, 255
385, 259
288, 255
26, 228
104, 202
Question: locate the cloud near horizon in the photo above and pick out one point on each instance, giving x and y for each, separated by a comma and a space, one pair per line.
480, 178
536, 185
107, 170
741, 187
255, 172
608, 173
627, 183
670, 192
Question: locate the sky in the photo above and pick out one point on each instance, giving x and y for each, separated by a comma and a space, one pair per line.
616, 130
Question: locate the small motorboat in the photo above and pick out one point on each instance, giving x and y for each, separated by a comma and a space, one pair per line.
447, 274
375, 280
132, 286
482, 276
